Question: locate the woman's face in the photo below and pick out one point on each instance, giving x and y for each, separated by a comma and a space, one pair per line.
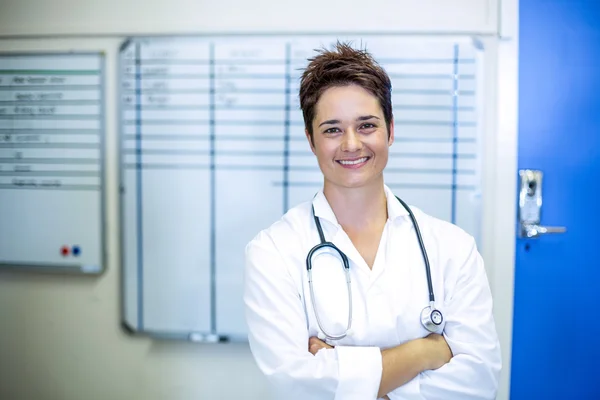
350, 138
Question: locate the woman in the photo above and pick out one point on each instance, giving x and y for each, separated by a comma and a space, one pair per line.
299, 324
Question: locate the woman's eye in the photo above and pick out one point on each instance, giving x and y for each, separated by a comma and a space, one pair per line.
368, 126
332, 130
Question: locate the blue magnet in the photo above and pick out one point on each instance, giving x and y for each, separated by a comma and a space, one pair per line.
76, 250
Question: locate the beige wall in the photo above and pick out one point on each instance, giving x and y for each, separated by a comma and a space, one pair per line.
60, 340
60, 336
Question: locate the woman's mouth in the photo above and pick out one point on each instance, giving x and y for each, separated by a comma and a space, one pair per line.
353, 162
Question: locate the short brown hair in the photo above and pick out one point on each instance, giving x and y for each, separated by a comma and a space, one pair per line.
340, 67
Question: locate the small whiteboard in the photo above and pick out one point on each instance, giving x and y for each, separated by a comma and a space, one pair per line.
213, 150
51, 162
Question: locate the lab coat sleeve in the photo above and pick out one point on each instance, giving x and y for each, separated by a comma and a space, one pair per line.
278, 337
473, 372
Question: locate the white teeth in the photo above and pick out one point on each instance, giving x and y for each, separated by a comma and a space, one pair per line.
360, 160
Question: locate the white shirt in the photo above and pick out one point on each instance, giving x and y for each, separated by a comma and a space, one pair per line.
386, 300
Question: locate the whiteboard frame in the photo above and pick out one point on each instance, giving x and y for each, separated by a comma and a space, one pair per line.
121, 190
207, 337
57, 268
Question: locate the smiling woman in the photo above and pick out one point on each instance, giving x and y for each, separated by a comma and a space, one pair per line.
350, 137
369, 328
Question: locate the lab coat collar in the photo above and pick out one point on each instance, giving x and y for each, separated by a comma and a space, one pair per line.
324, 211
396, 210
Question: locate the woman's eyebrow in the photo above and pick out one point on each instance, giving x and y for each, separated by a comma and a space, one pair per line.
366, 117
337, 121
330, 122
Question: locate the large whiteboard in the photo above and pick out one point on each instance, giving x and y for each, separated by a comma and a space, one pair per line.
51, 162
213, 150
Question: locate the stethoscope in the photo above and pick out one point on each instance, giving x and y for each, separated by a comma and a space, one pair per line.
431, 318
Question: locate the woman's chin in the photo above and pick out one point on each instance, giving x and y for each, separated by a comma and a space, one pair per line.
355, 182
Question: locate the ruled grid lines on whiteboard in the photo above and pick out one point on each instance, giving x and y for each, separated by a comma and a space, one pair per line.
50, 127
215, 125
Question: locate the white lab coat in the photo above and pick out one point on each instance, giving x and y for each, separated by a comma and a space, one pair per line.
386, 301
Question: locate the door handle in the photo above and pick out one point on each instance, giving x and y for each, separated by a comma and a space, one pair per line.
533, 231
530, 206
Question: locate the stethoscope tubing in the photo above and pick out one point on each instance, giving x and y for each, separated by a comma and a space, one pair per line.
346, 265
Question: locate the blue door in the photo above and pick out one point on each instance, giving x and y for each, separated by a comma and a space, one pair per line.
555, 353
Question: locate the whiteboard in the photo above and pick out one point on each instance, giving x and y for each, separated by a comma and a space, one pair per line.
51, 162
213, 150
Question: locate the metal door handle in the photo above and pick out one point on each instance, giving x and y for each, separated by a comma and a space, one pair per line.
533, 230
530, 206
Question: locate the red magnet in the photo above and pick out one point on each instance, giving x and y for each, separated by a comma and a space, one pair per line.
64, 250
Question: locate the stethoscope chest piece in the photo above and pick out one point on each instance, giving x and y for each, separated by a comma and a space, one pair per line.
432, 319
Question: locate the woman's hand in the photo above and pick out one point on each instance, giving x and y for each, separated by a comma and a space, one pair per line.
315, 344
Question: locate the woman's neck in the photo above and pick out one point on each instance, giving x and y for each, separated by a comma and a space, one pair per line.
358, 208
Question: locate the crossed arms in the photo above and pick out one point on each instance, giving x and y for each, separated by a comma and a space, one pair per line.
467, 368
403, 363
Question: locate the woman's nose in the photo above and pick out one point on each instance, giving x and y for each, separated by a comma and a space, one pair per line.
351, 141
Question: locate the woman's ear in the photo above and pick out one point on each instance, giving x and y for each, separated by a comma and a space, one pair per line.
391, 132
310, 141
